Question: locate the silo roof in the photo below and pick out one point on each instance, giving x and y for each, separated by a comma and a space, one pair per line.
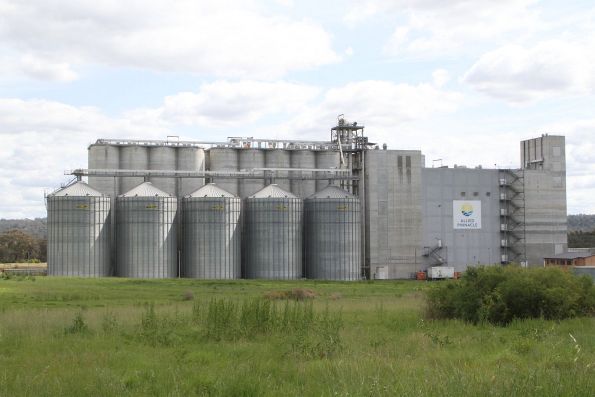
145, 189
77, 189
331, 192
273, 191
210, 190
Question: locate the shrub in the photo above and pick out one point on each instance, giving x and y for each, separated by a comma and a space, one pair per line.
157, 330
498, 295
109, 322
310, 334
78, 326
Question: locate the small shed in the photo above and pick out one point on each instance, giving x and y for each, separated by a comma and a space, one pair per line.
570, 259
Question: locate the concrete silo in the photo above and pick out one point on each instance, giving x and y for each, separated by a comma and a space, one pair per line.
279, 158
104, 157
224, 159
132, 158
303, 159
163, 158
249, 159
325, 160
190, 159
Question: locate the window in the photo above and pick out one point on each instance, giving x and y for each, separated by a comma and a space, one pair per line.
475, 194
463, 194
488, 194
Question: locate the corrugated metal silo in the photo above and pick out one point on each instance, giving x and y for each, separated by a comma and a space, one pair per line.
303, 159
146, 233
102, 157
78, 232
249, 159
224, 159
211, 230
279, 158
132, 158
324, 160
163, 158
190, 159
273, 234
332, 238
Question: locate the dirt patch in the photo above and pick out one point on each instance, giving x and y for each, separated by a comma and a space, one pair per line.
298, 294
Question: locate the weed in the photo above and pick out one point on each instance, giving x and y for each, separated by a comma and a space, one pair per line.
322, 339
221, 320
109, 323
438, 340
196, 312
78, 326
156, 331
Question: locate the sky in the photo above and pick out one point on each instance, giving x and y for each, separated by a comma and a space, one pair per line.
461, 80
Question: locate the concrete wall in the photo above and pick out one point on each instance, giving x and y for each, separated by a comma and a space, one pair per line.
544, 163
393, 212
460, 248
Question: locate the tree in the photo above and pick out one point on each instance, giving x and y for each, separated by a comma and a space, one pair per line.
17, 246
581, 239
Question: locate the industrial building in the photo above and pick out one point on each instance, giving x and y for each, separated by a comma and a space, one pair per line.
392, 215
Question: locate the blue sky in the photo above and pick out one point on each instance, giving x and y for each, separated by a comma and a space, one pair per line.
461, 80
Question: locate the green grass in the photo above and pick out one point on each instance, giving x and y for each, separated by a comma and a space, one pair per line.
114, 337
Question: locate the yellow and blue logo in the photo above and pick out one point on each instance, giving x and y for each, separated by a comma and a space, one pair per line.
467, 209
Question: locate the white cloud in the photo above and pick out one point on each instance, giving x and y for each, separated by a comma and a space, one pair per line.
440, 77
237, 39
41, 139
44, 69
389, 103
227, 103
429, 28
519, 74
385, 108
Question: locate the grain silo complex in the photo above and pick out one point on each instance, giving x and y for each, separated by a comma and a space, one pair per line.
399, 215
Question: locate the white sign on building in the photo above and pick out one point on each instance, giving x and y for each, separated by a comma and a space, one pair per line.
466, 214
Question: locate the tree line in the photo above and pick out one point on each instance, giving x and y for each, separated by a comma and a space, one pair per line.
581, 239
18, 246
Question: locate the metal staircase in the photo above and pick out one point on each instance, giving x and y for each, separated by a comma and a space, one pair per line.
512, 216
434, 253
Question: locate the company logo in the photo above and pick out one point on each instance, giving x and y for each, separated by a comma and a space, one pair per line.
82, 206
467, 209
151, 206
218, 207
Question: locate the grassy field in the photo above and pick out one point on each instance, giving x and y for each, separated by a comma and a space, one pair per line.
114, 337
